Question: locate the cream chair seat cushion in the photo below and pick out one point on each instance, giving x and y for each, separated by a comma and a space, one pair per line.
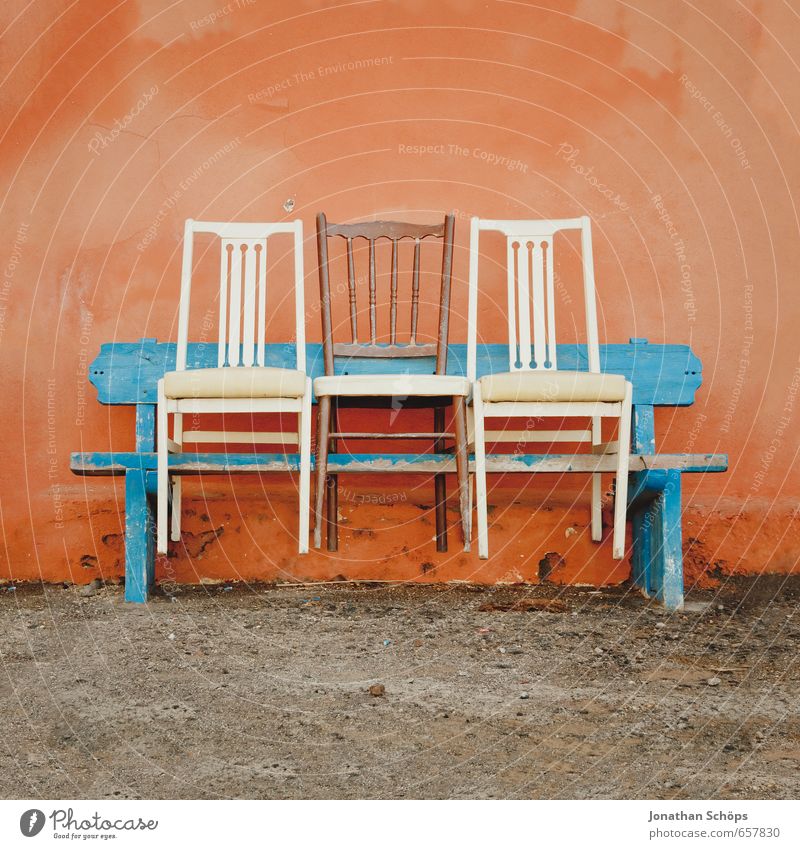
232, 382
552, 386
393, 385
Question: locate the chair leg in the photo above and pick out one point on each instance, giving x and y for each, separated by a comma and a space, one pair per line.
440, 485
597, 486
323, 428
175, 519
332, 512
470, 446
305, 469
163, 475
177, 437
480, 475
332, 488
621, 490
462, 466
471, 494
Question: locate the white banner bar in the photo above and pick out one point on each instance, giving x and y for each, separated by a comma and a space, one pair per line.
379, 824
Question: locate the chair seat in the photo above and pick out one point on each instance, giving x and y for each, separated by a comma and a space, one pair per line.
230, 382
552, 386
391, 385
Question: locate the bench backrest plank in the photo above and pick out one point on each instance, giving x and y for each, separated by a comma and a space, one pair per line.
662, 375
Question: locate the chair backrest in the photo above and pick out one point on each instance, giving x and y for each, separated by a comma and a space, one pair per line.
242, 290
531, 295
395, 232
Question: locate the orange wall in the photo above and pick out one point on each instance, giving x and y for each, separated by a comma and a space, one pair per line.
228, 110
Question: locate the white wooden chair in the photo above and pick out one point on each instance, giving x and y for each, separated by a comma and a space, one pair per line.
241, 383
533, 385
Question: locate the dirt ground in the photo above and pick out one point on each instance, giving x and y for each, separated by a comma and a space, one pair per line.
254, 691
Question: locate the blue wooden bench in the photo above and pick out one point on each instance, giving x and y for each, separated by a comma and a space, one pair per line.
662, 375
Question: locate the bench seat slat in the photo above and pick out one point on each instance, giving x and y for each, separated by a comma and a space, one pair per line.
100, 464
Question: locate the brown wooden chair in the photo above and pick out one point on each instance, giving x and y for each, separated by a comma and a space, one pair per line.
396, 388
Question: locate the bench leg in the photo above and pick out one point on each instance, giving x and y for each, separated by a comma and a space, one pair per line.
657, 549
666, 565
642, 527
139, 537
